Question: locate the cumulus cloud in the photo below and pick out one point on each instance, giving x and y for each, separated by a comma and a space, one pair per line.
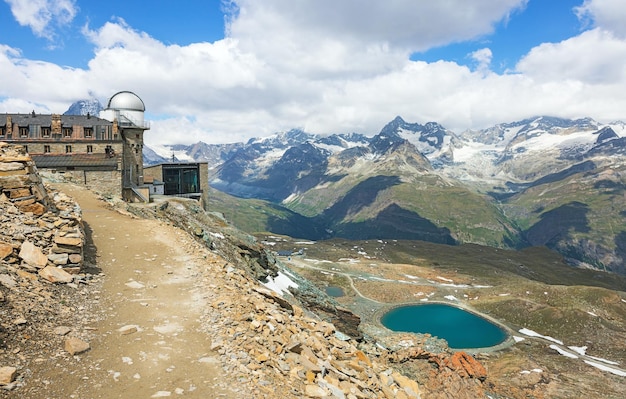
348, 37
331, 67
587, 58
42, 16
43, 82
482, 58
605, 14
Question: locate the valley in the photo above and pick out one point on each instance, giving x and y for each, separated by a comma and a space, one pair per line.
522, 223
566, 325
542, 181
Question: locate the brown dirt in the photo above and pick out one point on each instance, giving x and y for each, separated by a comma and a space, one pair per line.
155, 278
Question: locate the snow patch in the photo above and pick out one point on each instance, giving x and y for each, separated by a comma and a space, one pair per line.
563, 352
606, 368
280, 284
531, 333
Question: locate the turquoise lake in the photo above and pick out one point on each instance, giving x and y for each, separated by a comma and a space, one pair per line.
462, 329
334, 291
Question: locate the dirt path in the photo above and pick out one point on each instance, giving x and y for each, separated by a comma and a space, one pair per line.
154, 280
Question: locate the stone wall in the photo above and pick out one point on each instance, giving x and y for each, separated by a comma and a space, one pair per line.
19, 182
107, 183
41, 233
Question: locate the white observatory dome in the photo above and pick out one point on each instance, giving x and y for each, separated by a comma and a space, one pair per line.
127, 108
126, 100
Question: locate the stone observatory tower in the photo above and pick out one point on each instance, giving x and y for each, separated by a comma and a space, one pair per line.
126, 110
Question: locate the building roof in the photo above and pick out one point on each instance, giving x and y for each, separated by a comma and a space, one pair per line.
74, 160
46, 120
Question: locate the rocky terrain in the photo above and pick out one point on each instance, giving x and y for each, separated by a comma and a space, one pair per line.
70, 337
170, 300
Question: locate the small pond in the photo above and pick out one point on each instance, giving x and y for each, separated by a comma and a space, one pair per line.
462, 329
334, 291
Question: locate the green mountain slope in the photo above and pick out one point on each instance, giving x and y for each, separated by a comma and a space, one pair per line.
581, 216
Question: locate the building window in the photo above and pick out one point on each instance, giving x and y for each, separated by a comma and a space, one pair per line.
88, 132
68, 149
89, 149
23, 132
45, 132
67, 132
2, 132
46, 149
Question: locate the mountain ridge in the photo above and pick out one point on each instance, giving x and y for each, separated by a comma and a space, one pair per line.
418, 181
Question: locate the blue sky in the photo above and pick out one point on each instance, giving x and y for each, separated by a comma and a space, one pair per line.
225, 71
539, 22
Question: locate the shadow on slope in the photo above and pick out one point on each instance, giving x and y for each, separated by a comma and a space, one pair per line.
360, 196
557, 225
620, 250
394, 222
516, 188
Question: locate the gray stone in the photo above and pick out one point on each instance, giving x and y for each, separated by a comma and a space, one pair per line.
62, 330
58, 259
7, 281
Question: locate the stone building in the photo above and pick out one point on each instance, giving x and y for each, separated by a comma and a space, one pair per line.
104, 153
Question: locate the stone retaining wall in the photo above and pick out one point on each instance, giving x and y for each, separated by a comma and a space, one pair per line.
42, 232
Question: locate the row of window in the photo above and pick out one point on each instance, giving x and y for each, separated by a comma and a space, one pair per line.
68, 149
99, 132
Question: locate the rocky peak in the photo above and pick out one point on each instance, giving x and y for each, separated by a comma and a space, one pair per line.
606, 134
85, 107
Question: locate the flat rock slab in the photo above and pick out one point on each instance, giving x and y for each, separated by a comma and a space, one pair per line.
7, 375
32, 255
56, 275
74, 346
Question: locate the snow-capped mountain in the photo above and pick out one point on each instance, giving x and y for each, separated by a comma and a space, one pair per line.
432, 140
540, 181
527, 150
84, 107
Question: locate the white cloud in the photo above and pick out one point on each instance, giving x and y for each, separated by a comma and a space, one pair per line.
330, 67
482, 58
606, 14
589, 58
39, 15
39, 81
349, 37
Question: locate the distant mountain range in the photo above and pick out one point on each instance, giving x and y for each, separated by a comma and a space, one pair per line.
540, 181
